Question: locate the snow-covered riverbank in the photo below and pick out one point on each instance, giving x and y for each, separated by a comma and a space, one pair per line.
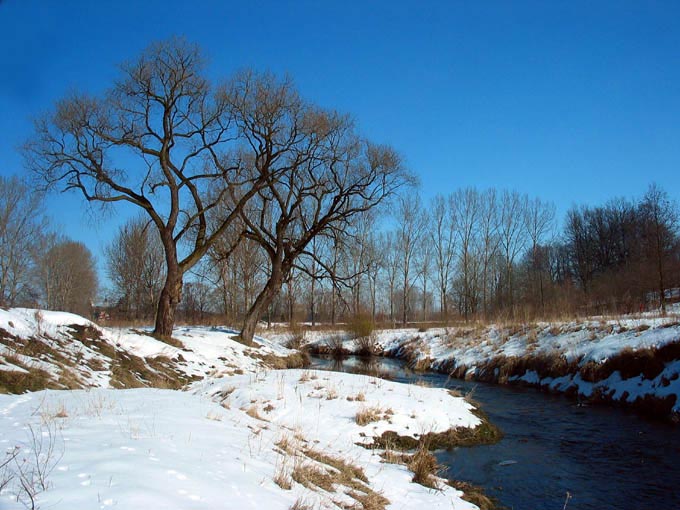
632, 361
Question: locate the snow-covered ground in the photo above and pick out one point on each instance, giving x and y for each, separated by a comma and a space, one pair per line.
226, 444
243, 436
556, 356
49, 341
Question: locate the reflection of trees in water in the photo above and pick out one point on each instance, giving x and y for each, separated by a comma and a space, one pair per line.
364, 365
338, 364
371, 365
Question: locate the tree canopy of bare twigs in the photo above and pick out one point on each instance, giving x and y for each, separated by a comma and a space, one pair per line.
200, 159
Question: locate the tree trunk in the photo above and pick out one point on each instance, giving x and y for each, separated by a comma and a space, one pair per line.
170, 297
311, 305
261, 303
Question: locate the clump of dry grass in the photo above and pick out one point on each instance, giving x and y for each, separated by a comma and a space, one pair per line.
473, 494
298, 359
372, 414
424, 467
282, 475
301, 504
359, 397
347, 470
320, 471
254, 413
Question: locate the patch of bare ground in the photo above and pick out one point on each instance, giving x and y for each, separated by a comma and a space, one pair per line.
484, 433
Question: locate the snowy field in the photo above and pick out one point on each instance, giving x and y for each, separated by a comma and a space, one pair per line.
243, 436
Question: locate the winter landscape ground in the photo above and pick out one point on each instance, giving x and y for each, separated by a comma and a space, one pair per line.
111, 417
241, 435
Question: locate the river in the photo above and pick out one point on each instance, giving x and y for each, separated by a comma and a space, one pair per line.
603, 457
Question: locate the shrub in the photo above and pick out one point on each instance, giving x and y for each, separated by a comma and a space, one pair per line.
296, 336
335, 346
361, 326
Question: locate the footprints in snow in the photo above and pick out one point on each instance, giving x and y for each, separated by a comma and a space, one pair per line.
183, 492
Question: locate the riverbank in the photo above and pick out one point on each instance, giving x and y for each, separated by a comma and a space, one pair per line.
634, 362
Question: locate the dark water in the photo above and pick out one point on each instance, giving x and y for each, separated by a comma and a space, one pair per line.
603, 457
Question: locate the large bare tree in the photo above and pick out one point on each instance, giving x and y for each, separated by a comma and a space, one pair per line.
320, 176
163, 139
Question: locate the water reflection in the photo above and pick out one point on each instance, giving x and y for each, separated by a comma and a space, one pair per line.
364, 365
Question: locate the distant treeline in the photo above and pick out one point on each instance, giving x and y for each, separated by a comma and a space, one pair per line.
470, 255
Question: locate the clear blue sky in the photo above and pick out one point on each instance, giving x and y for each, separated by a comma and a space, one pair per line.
575, 102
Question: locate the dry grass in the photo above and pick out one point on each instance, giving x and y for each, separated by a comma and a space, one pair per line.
424, 467
301, 504
474, 495
311, 476
359, 397
320, 471
347, 470
254, 413
298, 359
371, 414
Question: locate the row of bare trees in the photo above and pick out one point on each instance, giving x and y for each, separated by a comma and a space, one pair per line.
470, 255
37, 266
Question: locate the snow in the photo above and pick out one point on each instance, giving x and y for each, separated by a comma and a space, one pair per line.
149, 448
205, 351
216, 445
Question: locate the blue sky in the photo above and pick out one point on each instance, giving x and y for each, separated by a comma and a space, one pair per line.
575, 102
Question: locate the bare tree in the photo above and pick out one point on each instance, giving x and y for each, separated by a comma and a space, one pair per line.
135, 264
660, 218
390, 267
512, 235
465, 204
488, 234
69, 277
444, 243
320, 176
21, 229
410, 232
181, 134
538, 219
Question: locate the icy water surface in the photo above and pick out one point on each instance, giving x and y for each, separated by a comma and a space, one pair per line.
605, 458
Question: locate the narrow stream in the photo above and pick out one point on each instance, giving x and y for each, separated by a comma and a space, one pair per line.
605, 458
